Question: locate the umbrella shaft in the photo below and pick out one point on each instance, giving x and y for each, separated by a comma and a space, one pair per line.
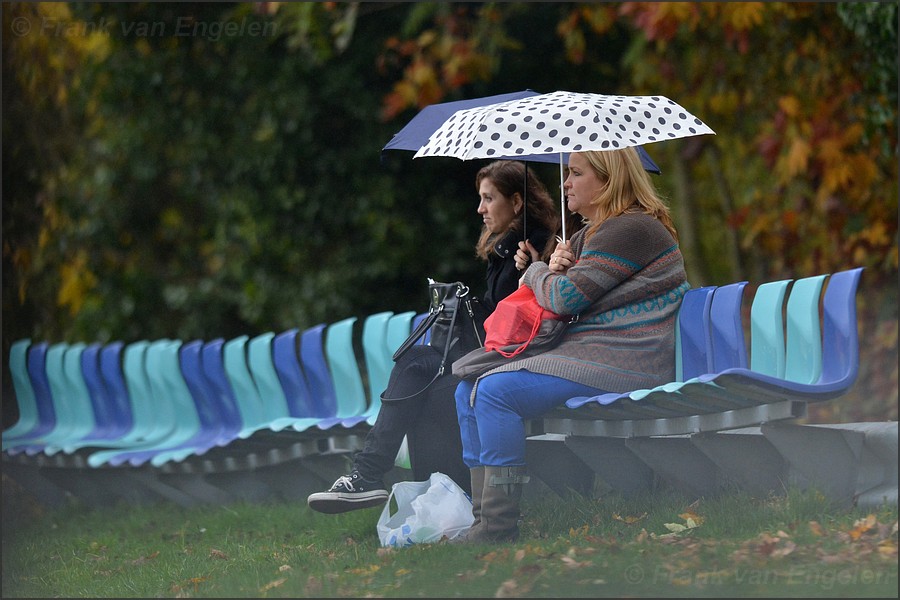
562, 196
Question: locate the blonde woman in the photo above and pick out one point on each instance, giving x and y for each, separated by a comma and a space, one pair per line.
623, 275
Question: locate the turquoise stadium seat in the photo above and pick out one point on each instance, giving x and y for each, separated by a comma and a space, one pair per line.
134, 369
260, 357
803, 354
26, 400
262, 370
378, 362
398, 329
345, 369
767, 350
137, 385
253, 413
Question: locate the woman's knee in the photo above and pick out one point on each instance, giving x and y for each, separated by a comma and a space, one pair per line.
495, 392
462, 394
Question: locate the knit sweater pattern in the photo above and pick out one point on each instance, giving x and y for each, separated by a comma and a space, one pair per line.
626, 288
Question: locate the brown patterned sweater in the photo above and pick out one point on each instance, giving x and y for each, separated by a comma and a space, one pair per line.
626, 288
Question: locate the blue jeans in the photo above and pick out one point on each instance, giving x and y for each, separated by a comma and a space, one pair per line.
493, 430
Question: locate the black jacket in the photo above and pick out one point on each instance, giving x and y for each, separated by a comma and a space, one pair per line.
502, 276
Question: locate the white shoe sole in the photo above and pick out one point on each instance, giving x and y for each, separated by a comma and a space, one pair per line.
339, 502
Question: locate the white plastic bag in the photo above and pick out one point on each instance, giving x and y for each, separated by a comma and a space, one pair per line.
426, 512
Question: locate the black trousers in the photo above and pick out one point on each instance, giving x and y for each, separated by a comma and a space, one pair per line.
428, 419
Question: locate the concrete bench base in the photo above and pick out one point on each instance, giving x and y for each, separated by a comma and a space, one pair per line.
853, 464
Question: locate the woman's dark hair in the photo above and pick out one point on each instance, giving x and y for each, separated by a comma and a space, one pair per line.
508, 176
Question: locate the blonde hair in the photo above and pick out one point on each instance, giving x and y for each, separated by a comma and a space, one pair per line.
628, 188
508, 176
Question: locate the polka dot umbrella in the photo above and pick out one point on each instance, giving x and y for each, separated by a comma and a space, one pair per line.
559, 123
415, 134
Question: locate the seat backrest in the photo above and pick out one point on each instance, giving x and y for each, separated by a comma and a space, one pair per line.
398, 329
693, 345
212, 361
803, 333
157, 364
767, 351
79, 395
315, 367
134, 368
69, 403
290, 374
378, 362
163, 408
253, 415
262, 368
416, 320
345, 369
729, 349
114, 380
840, 336
205, 400
99, 397
40, 383
25, 395
58, 384
184, 409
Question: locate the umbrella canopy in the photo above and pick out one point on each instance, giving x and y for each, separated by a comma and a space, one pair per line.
417, 132
560, 122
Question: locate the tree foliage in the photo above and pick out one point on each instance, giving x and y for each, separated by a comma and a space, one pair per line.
164, 177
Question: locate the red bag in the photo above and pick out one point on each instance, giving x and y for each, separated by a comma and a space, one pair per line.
516, 320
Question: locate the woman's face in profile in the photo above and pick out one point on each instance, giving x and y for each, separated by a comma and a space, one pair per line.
497, 211
582, 185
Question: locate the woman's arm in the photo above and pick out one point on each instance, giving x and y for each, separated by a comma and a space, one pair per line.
621, 247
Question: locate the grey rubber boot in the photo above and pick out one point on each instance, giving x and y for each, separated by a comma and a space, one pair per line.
476, 475
499, 505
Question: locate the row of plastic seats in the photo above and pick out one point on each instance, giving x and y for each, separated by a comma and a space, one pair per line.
167, 400
795, 352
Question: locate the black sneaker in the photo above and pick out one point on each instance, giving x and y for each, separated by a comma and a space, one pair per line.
349, 492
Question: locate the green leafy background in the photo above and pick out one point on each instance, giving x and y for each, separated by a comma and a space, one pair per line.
164, 176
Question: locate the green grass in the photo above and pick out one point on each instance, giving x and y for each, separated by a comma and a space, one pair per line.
791, 546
